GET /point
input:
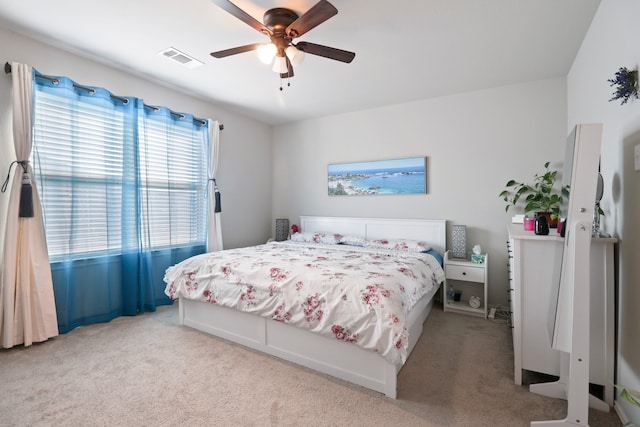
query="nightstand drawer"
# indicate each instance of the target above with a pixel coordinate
(470, 274)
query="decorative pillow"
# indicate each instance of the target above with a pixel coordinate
(406, 245)
(325, 238)
(353, 240)
(436, 255)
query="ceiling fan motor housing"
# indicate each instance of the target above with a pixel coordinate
(277, 20)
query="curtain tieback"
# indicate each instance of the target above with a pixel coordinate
(218, 204)
(26, 191)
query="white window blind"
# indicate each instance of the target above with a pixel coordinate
(173, 190)
(110, 183)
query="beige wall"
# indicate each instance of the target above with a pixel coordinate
(475, 143)
(611, 43)
(246, 197)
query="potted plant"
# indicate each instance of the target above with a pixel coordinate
(539, 197)
(626, 84)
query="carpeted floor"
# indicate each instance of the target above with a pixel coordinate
(150, 371)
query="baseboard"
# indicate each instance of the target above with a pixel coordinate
(621, 414)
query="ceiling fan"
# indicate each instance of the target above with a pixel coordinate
(282, 25)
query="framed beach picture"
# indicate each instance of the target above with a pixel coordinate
(398, 176)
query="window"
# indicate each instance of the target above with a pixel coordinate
(114, 174)
(174, 176)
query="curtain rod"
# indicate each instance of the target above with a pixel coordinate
(7, 70)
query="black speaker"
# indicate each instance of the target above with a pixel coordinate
(542, 225)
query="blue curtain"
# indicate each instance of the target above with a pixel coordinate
(121, 204)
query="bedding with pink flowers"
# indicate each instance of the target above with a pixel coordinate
(348, 293)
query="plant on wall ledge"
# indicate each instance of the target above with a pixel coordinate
(626, 84)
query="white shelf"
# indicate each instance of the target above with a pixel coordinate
(463, 306)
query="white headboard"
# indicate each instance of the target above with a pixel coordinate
(433, 231)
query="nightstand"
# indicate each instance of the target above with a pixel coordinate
(469, 279)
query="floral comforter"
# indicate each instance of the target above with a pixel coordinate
(352, 294)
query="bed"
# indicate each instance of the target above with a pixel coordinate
(373, 363)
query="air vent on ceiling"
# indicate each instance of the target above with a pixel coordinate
(180, 57)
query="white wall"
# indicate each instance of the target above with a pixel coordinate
(475, 143)
(246, 198)
(613, 42)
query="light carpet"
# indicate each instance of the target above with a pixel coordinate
(150, 371)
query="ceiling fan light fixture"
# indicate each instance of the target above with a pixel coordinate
(295, 55)
(266, 52)
(280, 65)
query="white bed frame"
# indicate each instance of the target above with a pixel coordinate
(339, 359)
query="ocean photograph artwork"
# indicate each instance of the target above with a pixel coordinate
(399, 176)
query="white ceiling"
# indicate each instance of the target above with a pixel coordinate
(406, 50)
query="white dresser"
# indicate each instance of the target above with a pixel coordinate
(534, 274)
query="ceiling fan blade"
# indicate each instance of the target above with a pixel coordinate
(243, 16)
(235, 50)
(289, 72)
(327, 52)
(315, 16)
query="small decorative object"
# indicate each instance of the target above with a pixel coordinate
(477, 257)
(294, 228)
(282, 229)
(539, 197)
(457, 295)
(474, 302)
(542, 225)
(528, 223)
(450, 294)
(598, 212)
(459, 241)
(626, 84)
(518, 218)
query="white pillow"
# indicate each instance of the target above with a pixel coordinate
(406, 245)
(325, 238)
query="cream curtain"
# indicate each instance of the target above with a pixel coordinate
(214, 210)
(27, 305)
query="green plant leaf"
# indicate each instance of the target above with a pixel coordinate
(531, 206)
(632, 396)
